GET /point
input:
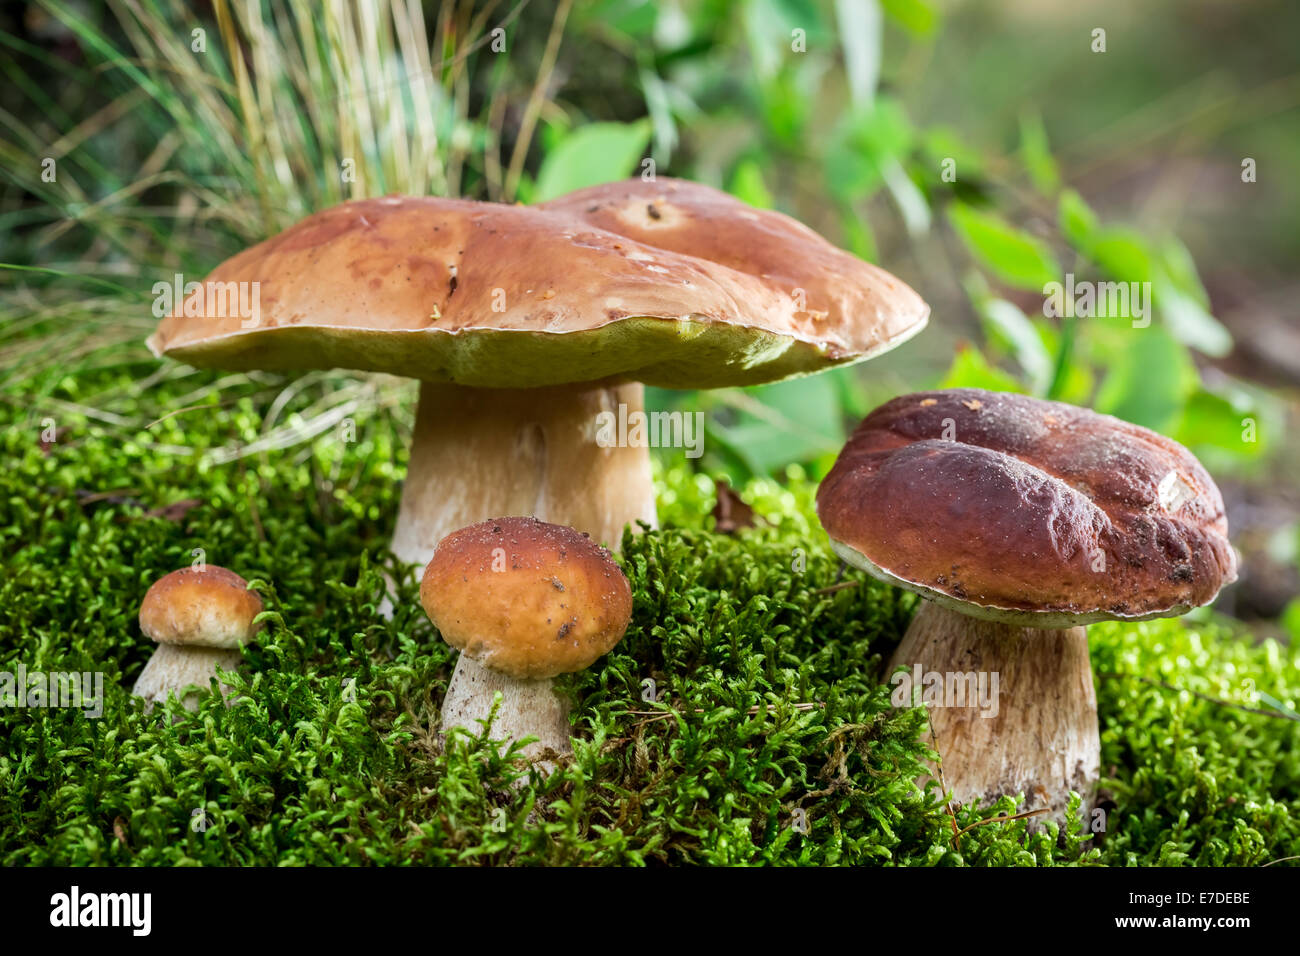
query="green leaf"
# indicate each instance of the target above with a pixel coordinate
(862, 146)
(943, 142)
(1184, 303)
(1128, 256)
(1122, 254)
(747, 184)
(1077, 220)
(1215, 420)
(1180, 268)
(1036, 154)
(858, 234)
(1149, 380)
(1190, 323)
(590, 155)
(915, 16)
(970, 369)
(1016, 257)
(1010, 327)
(785, 422)
(768, 26)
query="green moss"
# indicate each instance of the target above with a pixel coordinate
(329, 756)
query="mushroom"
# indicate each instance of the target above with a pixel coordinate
(524, 601)
(199, 617)
(527, 324)
(1020, 521)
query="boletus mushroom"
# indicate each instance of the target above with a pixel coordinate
(524, 601)
(200, 618)
(1020, 521)
(527, 324)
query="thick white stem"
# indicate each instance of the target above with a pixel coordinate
(175, 666)
(529, 708)
(492, 453)
(1040, 736)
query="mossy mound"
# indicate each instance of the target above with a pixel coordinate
(774, 741)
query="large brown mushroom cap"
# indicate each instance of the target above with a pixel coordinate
(526, 598)
(1018, 509)
(207, 607)
(667, 282)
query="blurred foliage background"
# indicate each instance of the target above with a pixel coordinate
(979, 150)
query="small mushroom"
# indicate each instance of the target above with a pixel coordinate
(199, 617)
(1020, 521)
(524, 601)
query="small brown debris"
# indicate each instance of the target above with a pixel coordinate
(48, 446)
(176, 511)
(731, 513)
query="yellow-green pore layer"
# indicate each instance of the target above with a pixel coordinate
(666, 353)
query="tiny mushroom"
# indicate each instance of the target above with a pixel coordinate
(524, 601)
(533, 330)
(199, 617)
(1020, 521)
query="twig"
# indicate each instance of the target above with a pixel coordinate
(947, 804)
(842, 586)
(1014, 816)
(770, 708)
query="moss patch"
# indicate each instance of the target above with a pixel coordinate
(328, 755)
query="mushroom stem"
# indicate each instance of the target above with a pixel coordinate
(1040, 739)
(529, 708)
(175, 666)
(481, 453)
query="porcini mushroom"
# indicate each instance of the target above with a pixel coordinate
(1020, 521)
(199, 617)
(524, 601)
(525, 323)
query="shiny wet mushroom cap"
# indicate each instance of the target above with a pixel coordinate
(1027, 510)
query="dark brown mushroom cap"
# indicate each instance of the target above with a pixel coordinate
(204, 607)
(668, 282)
(526, 598)
(1014, 508)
